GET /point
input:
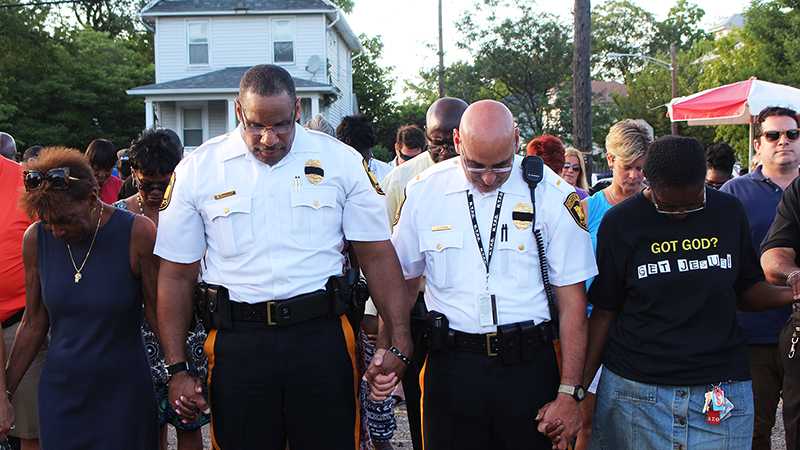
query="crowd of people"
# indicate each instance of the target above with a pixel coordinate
(287, 288)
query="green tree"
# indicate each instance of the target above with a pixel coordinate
(767, 47)
(620, 26)
(522, 58)
(373, 85)
(74, 94)
(681, 27)
(461, 80)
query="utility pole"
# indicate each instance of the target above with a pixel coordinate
(582, 83)
(441, 54)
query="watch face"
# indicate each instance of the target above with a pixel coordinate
(580, 392)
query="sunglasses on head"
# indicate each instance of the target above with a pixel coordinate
(774, 136)
(57, 178)
(576, 167)
(149, 187)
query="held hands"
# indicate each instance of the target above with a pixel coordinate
(560, 420)
(186, 396)
(383, 374)
(793, 281)
(6, 417)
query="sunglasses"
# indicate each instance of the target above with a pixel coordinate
(575, 168)
(57, 178)
(774, 136)
(149, 187)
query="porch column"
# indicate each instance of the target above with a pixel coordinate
(231, 115)
(148, 113)
(315, 106)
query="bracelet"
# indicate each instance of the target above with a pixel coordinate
(400, 355)
(789, 278)
(176, 368)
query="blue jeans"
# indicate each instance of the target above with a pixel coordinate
(633, 415)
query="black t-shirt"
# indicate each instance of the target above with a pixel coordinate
(674, 284)
(785, 230)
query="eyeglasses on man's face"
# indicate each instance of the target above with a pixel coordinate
(575, 168)
(57, 178)
(261, 130)
(774, 136)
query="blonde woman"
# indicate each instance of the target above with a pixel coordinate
(574, 171)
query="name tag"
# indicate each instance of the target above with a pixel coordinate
(224, 195)
(441, 228)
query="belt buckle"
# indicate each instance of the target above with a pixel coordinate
(489, 337)
(270, 319)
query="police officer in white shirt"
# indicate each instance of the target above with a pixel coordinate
(467, 225)
(266, 209)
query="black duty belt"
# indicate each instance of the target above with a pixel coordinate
(283, 313)
(517, 338)
(16, 317)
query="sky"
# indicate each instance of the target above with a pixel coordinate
(409, 28)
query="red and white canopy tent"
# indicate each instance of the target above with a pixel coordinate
(737, 103)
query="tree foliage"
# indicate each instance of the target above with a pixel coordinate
(461, 80)
(67, 86)
(521, 58)
(620, 26)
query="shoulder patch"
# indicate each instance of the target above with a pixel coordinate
(400, 209)
(573, 205)
(372, 178)
(168, 193)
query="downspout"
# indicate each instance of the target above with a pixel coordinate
(338, 15)
(141, 19)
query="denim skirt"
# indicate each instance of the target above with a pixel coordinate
(641, 416)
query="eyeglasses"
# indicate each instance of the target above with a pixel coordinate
(575, 168)
(405, 157)
(700, 208)
(436, 150)
(774, 136)
(260, 131)
(149, 187)
(716, 186)
(476, 170)
(57, 178)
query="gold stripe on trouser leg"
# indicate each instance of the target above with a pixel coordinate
(209, 348)
(350, 339)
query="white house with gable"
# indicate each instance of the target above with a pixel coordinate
(203, 47)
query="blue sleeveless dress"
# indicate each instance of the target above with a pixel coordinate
(96, 391)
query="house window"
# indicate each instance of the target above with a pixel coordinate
(192, 127)
(197, 43)
(283, 40)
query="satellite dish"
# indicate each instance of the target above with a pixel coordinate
(313, 64)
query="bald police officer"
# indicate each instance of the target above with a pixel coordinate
(266, 209)
(467, 224)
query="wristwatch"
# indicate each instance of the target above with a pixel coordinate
(176, 368)
(578, 392)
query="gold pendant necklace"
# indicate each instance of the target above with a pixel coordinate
(78, 275)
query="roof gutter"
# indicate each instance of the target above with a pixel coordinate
(338, 16)
(141, 19)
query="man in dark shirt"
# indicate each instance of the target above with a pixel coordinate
(760, 191)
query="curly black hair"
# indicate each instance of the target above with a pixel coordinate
(675, 161)
(720, 156)
(357, 132)
(156, 151)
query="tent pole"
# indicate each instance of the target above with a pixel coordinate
(750, 146)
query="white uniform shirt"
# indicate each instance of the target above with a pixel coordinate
(395, 182)
(434, 236)
(267, 232)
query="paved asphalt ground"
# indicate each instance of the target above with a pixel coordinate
(402, 437)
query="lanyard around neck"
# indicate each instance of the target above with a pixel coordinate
(495, 220)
